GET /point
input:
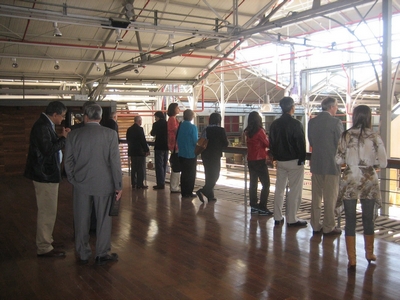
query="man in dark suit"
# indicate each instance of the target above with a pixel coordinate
(324, 133)
(111, 122)
(43, 168)
(137, 151)
(160, 131)
(93, 166)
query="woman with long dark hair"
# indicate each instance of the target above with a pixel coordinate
(362, 150)
(257, 144)
(173, 125)
(211, 156)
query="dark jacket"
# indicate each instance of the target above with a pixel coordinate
(160, 131)
(43, 162)
(137, 145)
(217, 140)
(287, 139)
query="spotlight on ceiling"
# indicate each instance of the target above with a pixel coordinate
(170, 44)
(118, 39)
(14, 62)
(57, 31)
(218, 47)
(98, 67)
(56, 65)
(136, 71)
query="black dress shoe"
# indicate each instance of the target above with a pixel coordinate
(189, 195)
(297, 224)
(158, 187)
(212, 199)
(83, 262)
(335, 231)
(105, 259)
(200, 195)
(57, 244)
(266, 212)
(144, 187)
(53, 253)
(279, 222)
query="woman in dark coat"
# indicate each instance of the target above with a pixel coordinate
(211, 156)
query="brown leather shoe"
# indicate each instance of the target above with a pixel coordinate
(53, 253)
(335, 231)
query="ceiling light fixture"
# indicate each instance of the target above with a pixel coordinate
(14, 62)
(136, 71)
(57, 31)
(118, 39)
(56, 65)
(98, 67)
(218, 47)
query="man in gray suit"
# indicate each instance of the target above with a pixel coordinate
(323, 133)
(93, 166)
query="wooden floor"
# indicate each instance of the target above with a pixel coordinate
(173, 248)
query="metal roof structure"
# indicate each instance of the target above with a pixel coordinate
(144, 49)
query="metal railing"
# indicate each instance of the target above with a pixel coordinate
(390, 195)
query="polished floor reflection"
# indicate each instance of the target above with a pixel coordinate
(174, 248)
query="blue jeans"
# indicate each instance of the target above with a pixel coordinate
(160, 162)
(367, 207)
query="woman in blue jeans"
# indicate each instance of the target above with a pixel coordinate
(257, 145)
(362, 150)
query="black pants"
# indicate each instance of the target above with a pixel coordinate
(258, 170)
(212, 167)
(188, 175)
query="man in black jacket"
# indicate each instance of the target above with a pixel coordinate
(288, 147)
(137, 151)
(160, 131)
(43, 167)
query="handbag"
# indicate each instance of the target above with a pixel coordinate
(174, 162)
(174, 158)
(201, 144)
(114, 208)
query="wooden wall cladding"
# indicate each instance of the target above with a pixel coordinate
(15, 127)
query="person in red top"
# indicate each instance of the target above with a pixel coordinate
(173, 125)
(257, 144)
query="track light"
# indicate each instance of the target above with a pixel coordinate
(56, 65)
(136, 71)
(57, 31)
(98, 67)
(14, 62)
(118, 39)
(218, 47)
(170, 44)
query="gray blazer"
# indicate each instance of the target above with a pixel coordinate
(323, 134)
(92, 160)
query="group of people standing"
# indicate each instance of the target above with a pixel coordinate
(92, 165)
(180, 139)
(359, 150)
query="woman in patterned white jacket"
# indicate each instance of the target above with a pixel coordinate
(362, 150)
